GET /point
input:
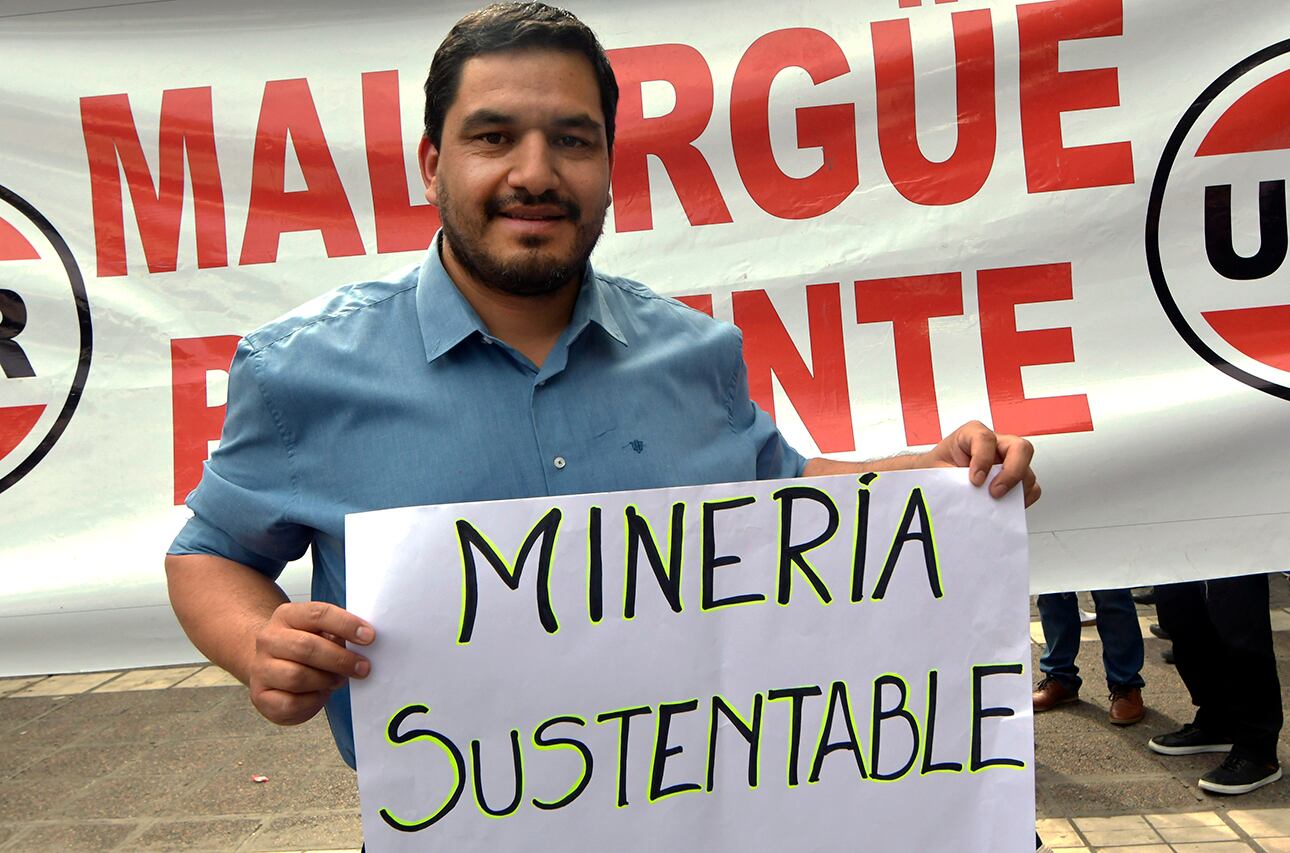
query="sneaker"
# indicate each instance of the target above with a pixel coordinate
(1239, 775)
(1086, 619)
(1126, 706)
(1050, 693)
(1189, 740)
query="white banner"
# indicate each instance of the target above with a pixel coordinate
(724, 668)
(1066, 218)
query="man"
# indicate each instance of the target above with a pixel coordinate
(503, 367)
(1122, 652)
(1222, 635)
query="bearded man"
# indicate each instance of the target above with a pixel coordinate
(503, 366)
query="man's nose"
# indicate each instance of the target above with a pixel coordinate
(533, 168)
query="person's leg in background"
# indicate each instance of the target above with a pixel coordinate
(1222, 637)
(1122, 651)
(1059, 615)
(1183, 613)
(1246, 684)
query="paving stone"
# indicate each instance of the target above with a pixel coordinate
(1121, 837)
(64, 719)
(1258, 823)
(1139, 848)
(1056, 796)
(1057, 832)
(210, 676)
(1190, 819)
(1185, 834)
(1076, 739)
(10, 832)
(147, 679)
(17, 714)
(78, 836)
(1117, 823)
(66, 685)
(14, 758)
(1220, 847)
(39, 790)
(216, 834)
(12, 685)
(1275, 845)
(163, 781)
(297, 779)
(323, 832)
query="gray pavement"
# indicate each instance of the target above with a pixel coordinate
(166, 760)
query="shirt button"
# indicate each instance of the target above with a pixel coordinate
(559, 462)
(541, 382)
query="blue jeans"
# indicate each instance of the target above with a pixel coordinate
(1117, 625)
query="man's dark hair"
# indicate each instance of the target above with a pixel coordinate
(513, 26)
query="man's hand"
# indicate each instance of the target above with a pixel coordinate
(973, 446)
(977, 447)
(300, 658)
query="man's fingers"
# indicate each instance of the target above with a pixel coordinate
(313, 651)
(1015, 454)
(286, 708)
(293, 677)
(319, 617)
(984, 453)
(1033, 491)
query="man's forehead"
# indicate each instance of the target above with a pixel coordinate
(528, 79)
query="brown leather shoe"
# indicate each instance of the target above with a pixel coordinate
(1126, 706)
(1050, 693)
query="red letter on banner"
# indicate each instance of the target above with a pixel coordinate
(1007, 350)
(830, 128)
(670, 138)
(400, 225)
(112, 146)
(913, 175)
(819, 394)
(1046, 93)
(195, 423)
(288, 108)
(907, 303)
(699, 302)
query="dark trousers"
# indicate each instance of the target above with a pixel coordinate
(1222, 637)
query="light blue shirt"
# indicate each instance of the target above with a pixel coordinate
(393, 393)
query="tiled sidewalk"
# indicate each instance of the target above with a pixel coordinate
(1235, 831)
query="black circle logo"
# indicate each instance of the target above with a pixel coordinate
(45, 337)
(1219, 203)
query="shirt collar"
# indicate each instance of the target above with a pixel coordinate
(447, 319)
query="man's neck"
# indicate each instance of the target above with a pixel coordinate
(530, 324)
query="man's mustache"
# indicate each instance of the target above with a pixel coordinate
(569, 208)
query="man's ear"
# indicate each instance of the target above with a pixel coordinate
(428, 159)
(609, 197)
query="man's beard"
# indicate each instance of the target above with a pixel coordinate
(533, 272)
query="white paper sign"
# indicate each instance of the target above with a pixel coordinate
(820, 664)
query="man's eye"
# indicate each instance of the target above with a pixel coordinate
(494, 138)
(572, 142)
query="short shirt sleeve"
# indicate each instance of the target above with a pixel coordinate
(776, 458)
(242, 506)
